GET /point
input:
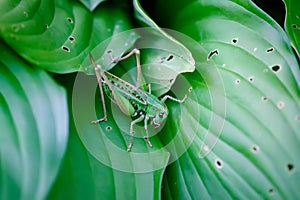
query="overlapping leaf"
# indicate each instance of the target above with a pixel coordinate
(58, 35)
(247, 131)
(34, 128)
(292, 22)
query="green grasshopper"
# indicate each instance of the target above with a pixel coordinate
(130, 99)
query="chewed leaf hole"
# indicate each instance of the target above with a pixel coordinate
(290, 167)
(234, 40)
(47, 26)
(251, 78)
(276, 68)
(170, 57)
(212, 53)
(65, 48)
(108, 128)
(237, 81)
(255, 149)
(264, 99)
(218, 163)
(71, 38)
(280, 104)
(294, 26)
(70, 20)
(269, 50)
(271, 191)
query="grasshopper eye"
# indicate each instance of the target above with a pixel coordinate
(161, 115)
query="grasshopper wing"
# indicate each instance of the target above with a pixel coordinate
(117, 97)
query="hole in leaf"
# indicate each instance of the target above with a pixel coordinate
(234, 40)
(212, 53)
(171, 80)
(65, 48)
(70, 20)
(237, 81)
(71, 38)
(294, 26)
(218, 163)
(270, 50)
(250, 78)
(190, 89)
(108, 128)
(47, 26)
(170, 57)
(280, 104)
(290, 167)
(275, 68)
(109, 51)
(264, 99)
(255, 149)
(271, 191)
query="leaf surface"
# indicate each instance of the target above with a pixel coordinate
(34, 129)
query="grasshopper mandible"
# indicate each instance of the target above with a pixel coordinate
(130, 99)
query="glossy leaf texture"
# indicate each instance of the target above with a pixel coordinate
(292, 22)
(59, 35)
(247, 141)
(91, 4)
(34, 129)
(96, 164)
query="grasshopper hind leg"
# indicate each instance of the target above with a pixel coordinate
(104, 118)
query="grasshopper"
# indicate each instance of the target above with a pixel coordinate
(130, 99)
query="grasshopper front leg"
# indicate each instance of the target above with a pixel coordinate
(146, 138)
(176, 100)
(132, 132)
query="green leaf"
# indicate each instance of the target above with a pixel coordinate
(96, 164)
(34, 127)
(164, 57)
(84, 177)
(292, 22)
(91, 4)
(245, 109)
(58, 35)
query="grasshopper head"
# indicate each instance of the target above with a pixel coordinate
(160, 116)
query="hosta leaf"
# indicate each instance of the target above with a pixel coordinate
(245, 108)
(96, 168)
(292, 22)
(92, 179)
(164, 57)
(91, 4)
(34, 127)
(58, 35)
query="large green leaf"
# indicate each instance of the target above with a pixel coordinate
(33, 137)
(292, 22)
(58, 35)
(99, 169)
(247, 131)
